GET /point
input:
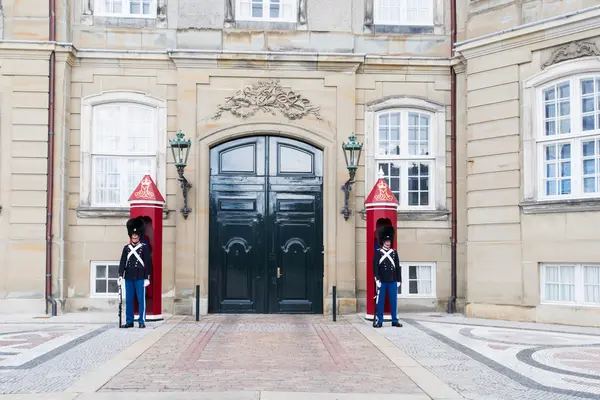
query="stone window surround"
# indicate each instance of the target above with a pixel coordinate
(438, 18)
(438, 146)
(579, 285)
(231, 22)
(160, 17)
(85, 209)
(405, 281)
(93, 294)
(530, 125)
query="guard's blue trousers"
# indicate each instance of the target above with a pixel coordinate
(392, 288)
(135, 288)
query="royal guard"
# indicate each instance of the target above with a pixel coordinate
(387, 273)
(135, 267)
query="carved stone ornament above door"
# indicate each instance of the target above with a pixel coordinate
(268, 96)
(571, 51)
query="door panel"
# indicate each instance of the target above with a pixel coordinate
(295, 236)
(266, 213)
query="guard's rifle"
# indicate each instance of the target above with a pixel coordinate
(375, 302)
(120, 304)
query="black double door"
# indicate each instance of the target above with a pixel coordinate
(266, 237)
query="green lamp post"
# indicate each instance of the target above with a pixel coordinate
(180, 148)
(352, 151)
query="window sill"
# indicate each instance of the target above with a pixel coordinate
(123, 22)
(559, 206)
(423, 215)
(401, 29)
(417, 215)
(571, 305)
(108, 212)
(264, 25)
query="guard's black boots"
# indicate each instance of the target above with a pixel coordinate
(127, 325)
(397, 324)
(142, 325)
(379, 325)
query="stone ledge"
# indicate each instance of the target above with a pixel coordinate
(108, 212)
(558, 206)
(417, 215)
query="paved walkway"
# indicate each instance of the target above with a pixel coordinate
(434, 356)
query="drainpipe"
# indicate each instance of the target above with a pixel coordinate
(453, 278)
(50, 167)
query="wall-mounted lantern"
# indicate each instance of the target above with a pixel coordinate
(180, 148)
(352, 151)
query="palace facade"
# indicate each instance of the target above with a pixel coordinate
(482, 115)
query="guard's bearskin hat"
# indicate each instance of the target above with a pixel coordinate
(385, 233)
(135, 225)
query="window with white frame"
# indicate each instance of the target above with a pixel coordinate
(126, 8)
(405, 157)
(104, 276)
(406, 143)
(569, 138)
(570, 284)
(123, 138)
(267, 10)
(418, 280)
(403, 12)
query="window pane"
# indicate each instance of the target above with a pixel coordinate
(113, 271)
(100, 271)
(557, 110)
(412, 287)
(274, 8)
(136, 169)
(113, 287)
(106, 180)
(100, 286)
(591, 280)
(391, 173)
(134, 6)
(389, 134)
(591, 165)
(418, 184)
(257, 8)
(412, 272)
(418, 139)
(146, 7)
(557, 168)
(590, 104)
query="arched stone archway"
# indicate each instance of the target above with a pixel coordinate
(323, 141)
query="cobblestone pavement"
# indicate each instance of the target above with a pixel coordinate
(263, 353)
(49, 357)
(497, 360)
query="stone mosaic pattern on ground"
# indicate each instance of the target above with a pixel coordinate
(38, 358)
(498, 363)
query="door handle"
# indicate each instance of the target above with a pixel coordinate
(278, 272)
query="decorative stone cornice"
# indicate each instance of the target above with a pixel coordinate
(571, 51)
(268, 96)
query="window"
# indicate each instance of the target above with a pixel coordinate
(123, 139)
(403, 12)
(408, 150)
(126, 8)
(418, 280)
(267, 10)
(570, 284)
(104, 275)
(569, 139)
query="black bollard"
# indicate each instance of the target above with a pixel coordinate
(197, 302)
(334, 303)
